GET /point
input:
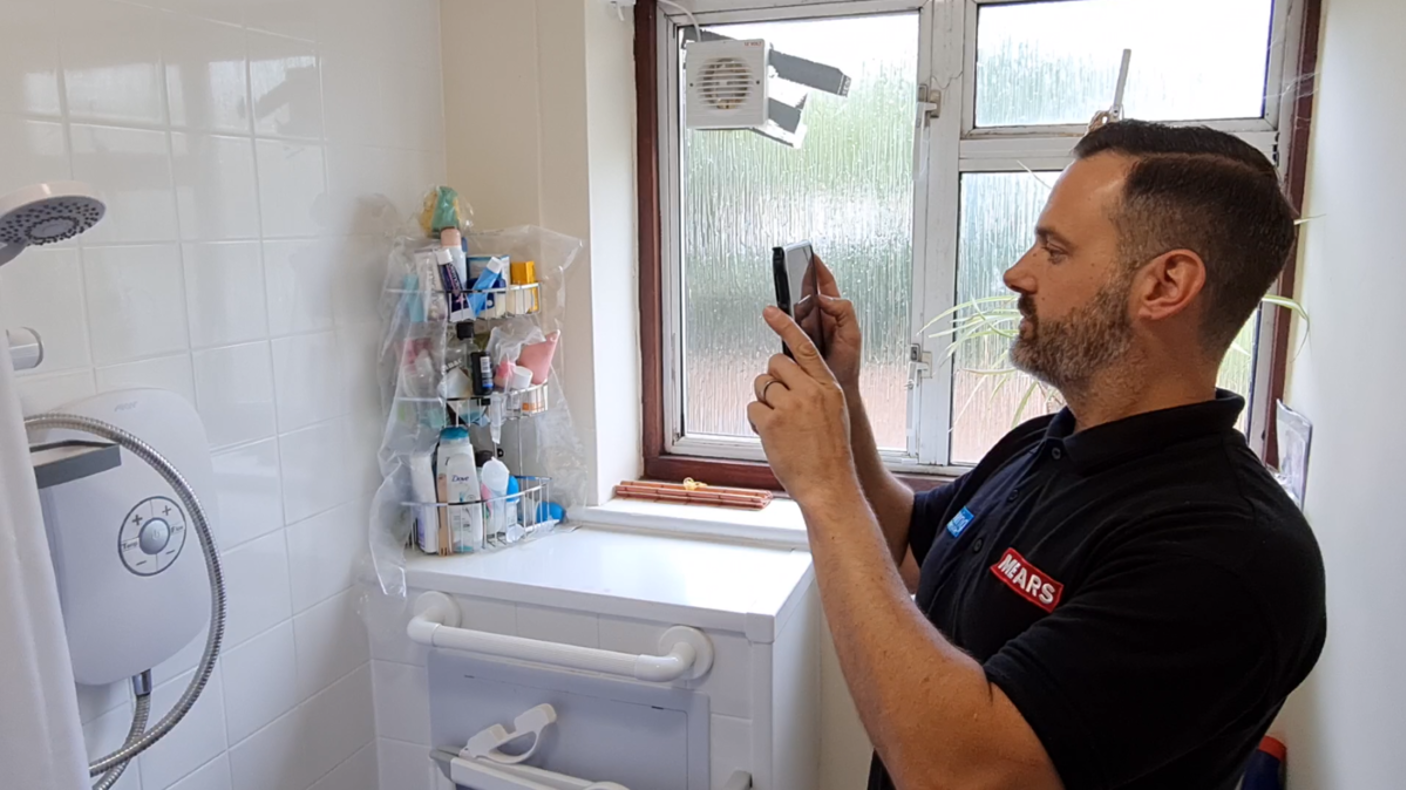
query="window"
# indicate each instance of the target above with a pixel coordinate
(919, 188)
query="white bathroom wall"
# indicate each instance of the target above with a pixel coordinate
(546, 136)
(1343, 726)
(252, 154)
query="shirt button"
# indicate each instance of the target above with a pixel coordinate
(976, 545)
(1013, 497)
(1056, 453)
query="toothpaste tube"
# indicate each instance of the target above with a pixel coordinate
(459, 308)
(487, 281)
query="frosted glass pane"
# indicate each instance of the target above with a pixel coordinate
(1237, 371)
(998, 215)
(997, 226)
(849, 189)
(1057, 62)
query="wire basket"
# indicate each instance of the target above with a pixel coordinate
(487, 524)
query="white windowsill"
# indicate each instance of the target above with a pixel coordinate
(779, 524)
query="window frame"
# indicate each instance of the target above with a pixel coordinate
(670, 147)
(947, 146)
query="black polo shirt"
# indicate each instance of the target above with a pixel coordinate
(1143, 591)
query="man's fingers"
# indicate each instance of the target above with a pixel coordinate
(782, 368)
(760, 388)
(807, 356)
(758, 414)
(839, 309)
(824, 279)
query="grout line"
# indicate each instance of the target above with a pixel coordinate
(375, 660)
(225, 548)
(148, 126)
(371, 743)
(306, 702)
(67, 124)
(243, 444)
(319, 602)
(223, 753)
(401, 741)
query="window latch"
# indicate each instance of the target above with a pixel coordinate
(929, 103)
(919, 365)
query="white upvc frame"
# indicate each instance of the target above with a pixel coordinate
(946, 147)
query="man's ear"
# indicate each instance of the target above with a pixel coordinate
(1168, 284)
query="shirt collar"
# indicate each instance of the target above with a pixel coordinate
(1143, 433)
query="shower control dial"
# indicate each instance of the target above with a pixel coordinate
(155, 534)
(152, 536)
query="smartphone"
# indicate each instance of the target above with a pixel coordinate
(798, 289)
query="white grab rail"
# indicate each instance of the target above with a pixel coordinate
(688, 654)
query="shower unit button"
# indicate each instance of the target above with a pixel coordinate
(155, 534)
(152, 536)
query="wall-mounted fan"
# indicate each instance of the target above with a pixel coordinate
(727, 84)
(745, 84)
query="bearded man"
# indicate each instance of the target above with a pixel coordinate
(1119, 595)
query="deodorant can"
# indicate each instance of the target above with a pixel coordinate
(481, 367)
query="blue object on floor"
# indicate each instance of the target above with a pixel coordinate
(1265, 770)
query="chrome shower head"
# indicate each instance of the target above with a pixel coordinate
(44, 214)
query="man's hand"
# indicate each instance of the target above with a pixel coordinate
(801, 417)
(843, 342)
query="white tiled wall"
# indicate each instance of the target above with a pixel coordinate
(252, 154)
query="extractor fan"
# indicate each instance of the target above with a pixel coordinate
(727, 84)
(746, 84)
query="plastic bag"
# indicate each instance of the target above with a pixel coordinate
(542, 444)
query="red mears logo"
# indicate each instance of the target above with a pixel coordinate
(1031, 582)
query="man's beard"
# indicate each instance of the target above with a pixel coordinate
(1070, 352)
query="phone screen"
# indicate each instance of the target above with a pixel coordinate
(798, 289)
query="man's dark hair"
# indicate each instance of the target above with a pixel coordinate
(1209, 192)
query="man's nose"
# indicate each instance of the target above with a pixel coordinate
(1019, 278)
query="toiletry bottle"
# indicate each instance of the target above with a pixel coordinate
(441, 541)
(459, 346)
(495, 479)
(482, 373)
(524, 274)
(422, 484)
(477, 263)
(499, 307)
(451, 240)
(461, 486)
(427, 273)
(412, 299)
(455, 292)
(487, 282)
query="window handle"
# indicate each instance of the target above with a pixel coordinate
(919, 365)
(929, 104)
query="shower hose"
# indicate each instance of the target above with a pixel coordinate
(139, 739)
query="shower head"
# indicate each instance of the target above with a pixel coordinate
(44, 214)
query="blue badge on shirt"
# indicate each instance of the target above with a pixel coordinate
(960, 522)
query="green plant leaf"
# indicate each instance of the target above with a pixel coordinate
(970, 399)
(973, 304)
(1024, 401)
(1296, 309)
(1048, 186)
(1288, 304)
